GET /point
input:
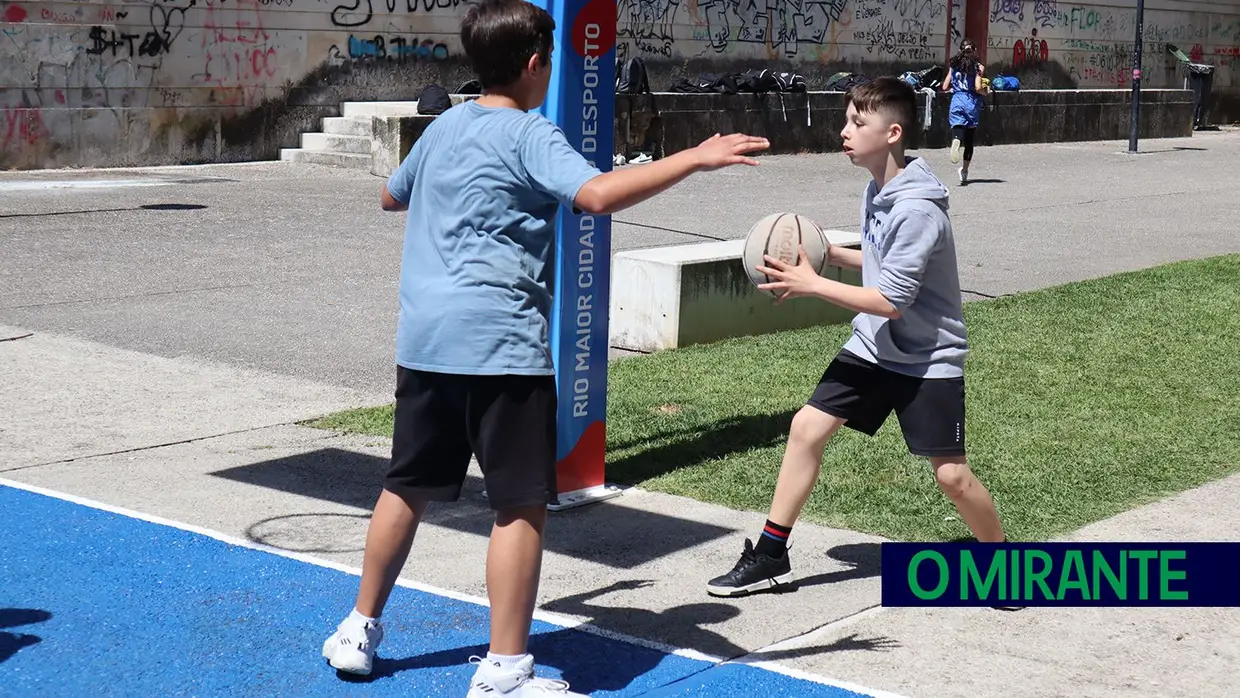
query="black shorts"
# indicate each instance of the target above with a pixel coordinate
(442, 419)
(930, 410)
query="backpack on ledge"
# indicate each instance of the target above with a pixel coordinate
(930, 78)
(434, 100)
(844, 81)
(631, 78)
(470, 87)
(720, 83)
(791, 82)
(764, 81)
(1004, 83)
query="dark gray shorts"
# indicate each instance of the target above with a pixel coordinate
(930, 410)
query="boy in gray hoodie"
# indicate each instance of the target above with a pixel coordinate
(906, 354)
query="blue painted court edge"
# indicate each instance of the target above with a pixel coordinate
(95, 602)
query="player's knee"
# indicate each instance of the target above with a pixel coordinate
(953, 478)
(811, 429)
(534, 516)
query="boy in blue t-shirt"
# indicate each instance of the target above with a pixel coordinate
(475, 375)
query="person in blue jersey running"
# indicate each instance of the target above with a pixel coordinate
(964, 80)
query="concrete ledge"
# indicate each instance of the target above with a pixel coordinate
(810, 122)
(393, 134)
(676, 296)
(393, 137)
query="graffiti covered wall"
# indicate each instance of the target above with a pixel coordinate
(113, 82)
(137, 81)
(804, 32)
(1091, 45)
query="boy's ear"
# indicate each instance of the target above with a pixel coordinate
(894, 133)
(537, 63)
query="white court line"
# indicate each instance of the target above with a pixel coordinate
(153, 168)
(50, 184)
(550, 618)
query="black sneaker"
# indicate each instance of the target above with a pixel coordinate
(753, 572)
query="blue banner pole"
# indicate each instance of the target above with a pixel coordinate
(581, 101)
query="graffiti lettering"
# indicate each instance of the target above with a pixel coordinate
(915, 26)
(396, 48)
(1083, 18)
(22, 126)
(1046, 13)
(918, 9)
(649, 24)
(1225, 31)
(881, 38)
(1007, 11)
(81, 16)
(788, 23)
(107, 40)
(1037, 52)
(100, 41)
(360, 12)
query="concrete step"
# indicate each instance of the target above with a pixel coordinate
(336, 143)
(347, 125)
(379, 109)
(352, 161)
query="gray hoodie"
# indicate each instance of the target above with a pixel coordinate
(910, 256)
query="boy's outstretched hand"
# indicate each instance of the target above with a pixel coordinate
(721, 151)
(793, 281)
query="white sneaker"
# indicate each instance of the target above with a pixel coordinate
(518, 682)
(352, 647)
(964, 176)
(955, 150)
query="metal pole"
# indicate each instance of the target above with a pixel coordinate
(1136, 80)
(951, 24)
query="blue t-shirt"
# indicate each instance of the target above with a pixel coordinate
(483, 185)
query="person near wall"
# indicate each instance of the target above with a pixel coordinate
(964, 80)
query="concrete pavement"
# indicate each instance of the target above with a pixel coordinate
(172, 351)
(292, 269)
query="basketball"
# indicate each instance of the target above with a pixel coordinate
(779, 236)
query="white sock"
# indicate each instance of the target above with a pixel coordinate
(359, 618)
(506, 661)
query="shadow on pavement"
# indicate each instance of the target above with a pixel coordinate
(590, 662)
(616, 536)
(717, 440)
(12, 643)
(862, 560)
(144, 207)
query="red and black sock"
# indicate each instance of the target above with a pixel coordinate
(774, 540)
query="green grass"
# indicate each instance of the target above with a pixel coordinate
(1083, 401)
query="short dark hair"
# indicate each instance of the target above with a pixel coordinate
(500, 36)
(891, 97)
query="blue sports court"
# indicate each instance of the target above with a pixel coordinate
(99, 601)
